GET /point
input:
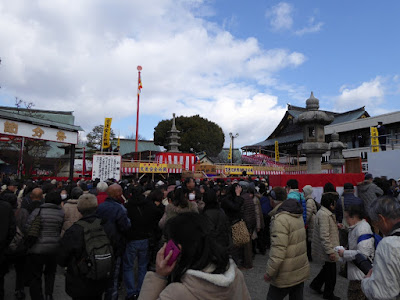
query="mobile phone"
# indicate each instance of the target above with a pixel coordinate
(175, 252)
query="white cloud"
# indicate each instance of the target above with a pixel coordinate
(370, 94)
(280, 16)
(312, 27)
(84, 57)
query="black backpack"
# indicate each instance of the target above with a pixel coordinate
(98, 261)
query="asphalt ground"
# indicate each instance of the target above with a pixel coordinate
(258, 288)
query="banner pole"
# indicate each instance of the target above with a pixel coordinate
(139, 68)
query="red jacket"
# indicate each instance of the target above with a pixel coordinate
(101, 197)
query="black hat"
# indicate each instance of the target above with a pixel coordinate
(348, 186)
(368, 176)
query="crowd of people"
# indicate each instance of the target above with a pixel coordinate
(99, 231)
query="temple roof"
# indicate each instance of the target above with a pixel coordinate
(288, 131)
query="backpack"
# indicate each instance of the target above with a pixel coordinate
(364, 237)
(98, 261)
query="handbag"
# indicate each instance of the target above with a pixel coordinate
(240, 234)
(34, 231)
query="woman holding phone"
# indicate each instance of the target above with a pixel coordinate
(202, 268)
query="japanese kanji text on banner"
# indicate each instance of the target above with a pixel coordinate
(106, 167)
(106, 133)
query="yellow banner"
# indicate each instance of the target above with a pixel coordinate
(374, 139)
(106, 133)
(230, 151)
(276, 151)
(238, 170)
(153, 168)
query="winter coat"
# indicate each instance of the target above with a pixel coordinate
(101, 197)
(349, 200)
(233, 208)
(384, 282)
(52, 219)
(143, 215)
(368, 192)
(274, 211)
(259, 214)
(172, 211)
(7, 226)
(71, 214)
(295, 194)
(30, 205)
(365, 247)
(72, 250)
(311, 212)
(196, 285)
(117, 223)
(325, 235)
(288, 263)
(249, 212)
(220, 224)
(265, 205)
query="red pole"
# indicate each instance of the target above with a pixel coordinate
(139, 68)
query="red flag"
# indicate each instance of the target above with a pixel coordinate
(84, 162)
(139, 85)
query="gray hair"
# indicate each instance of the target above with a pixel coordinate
(102, 186)
(387, 206)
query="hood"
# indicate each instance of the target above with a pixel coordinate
(214, 286)
(72, 201)
(291, 206)
(364, 186)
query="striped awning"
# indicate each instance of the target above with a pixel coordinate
(128, 171)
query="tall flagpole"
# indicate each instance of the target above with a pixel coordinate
(139, 68)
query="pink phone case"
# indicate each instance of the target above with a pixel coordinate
(171, 246)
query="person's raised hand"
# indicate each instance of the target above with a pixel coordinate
(162, 267)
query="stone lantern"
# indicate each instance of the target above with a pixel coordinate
(173, 137)
(336, 158)
(313, 122)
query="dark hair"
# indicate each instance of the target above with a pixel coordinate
(10, 198)
(231, 191)
(170, 195)
(53, 197)
(292, 183)
(328, 199)
(356, 210)
(187, 180)
(156, 195)
(180, 198)
(329, 188)
(210, 200)
(280, 193)
(199, 248)
(76, 193)
(263, 188)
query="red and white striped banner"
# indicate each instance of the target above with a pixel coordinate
(127, 171)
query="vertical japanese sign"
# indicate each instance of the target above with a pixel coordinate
(106, 133)
(106, 167)
(374, 139)
(276, 151)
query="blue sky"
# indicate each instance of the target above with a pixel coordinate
(237, 63)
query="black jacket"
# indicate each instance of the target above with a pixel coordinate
(144, 216)
(72, 250)
(7, 226)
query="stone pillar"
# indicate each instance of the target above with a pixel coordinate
(336, 156)
(313, 121)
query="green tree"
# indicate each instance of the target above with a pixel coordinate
(196, 133)
(94, 138)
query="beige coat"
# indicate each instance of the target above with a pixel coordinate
(325, 236)
(311, 212)
(288, 263)
(71, 214)
(196, 285)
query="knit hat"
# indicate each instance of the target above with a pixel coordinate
(307, 190)
(87, 203)
(53, 181)
(368, 176)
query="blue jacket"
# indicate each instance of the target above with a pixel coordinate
(349, 200)
(295, 194)
(265, 205)
(117, 223)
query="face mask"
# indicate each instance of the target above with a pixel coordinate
(192, 196)
(63, 196)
